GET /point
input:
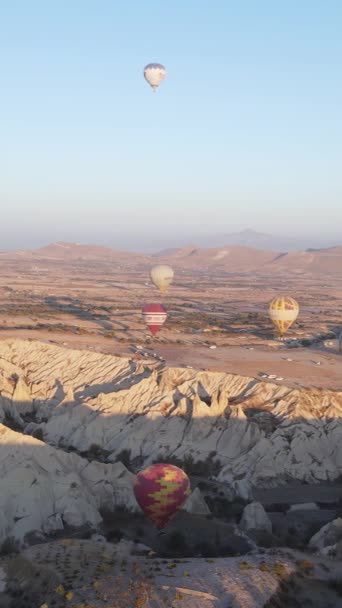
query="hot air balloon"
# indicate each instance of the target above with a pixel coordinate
(283, 313)
(162, 276)
(154, 316)
(160, 491)
(154, 73)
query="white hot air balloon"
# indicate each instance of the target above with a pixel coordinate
(161, 276)
(154, 73)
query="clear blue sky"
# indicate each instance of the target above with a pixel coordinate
(245, 131)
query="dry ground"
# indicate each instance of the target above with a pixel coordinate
(96, 305)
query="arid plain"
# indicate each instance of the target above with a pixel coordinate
(91, 297)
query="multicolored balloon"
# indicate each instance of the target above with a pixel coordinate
(162, 276)
(154, 73)
(283, 313)
(154, 316)
(160, 491)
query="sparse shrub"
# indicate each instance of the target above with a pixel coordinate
(245, 566)
(125, 457)
(263, 538)
(305, 565)
(177, 542)
(205, 549)
(38, 434)
(179, 596)
(109, 333)
(336, 585)
(139, 531)
(223, 508)
(10, 545)
(115, 535)
(277, 508)
(310, 532)
(96, 451)
(279, 570)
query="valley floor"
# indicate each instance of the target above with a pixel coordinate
(80, 573)
(309, 368)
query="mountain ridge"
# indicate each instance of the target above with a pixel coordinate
(230, 258)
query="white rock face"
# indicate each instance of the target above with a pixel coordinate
(196, 504)
(327, 536)
(254, 517)
(42, 488)
(305, 506)
(243, 489)
(260, 433)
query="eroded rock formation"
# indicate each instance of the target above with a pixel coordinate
(55, 401)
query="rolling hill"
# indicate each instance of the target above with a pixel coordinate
(74, 251)
(315, 262)
(245, 259)
(231, 259)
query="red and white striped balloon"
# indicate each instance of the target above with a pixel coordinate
(154, 316)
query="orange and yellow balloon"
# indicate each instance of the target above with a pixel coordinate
(160, 491)
(283, 312)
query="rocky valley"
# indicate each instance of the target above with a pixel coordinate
(264, 459)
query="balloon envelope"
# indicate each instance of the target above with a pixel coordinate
(162, 276)
(154, 316)
(283, 313)
(160, 491)
(154, 73)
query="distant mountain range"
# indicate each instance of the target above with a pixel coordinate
(74, 251)
(230, 258)
(245, 238)
(236, 258)
(152, 243)
(252, 238)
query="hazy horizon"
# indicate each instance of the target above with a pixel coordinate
(245, 130)
(149, 244)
